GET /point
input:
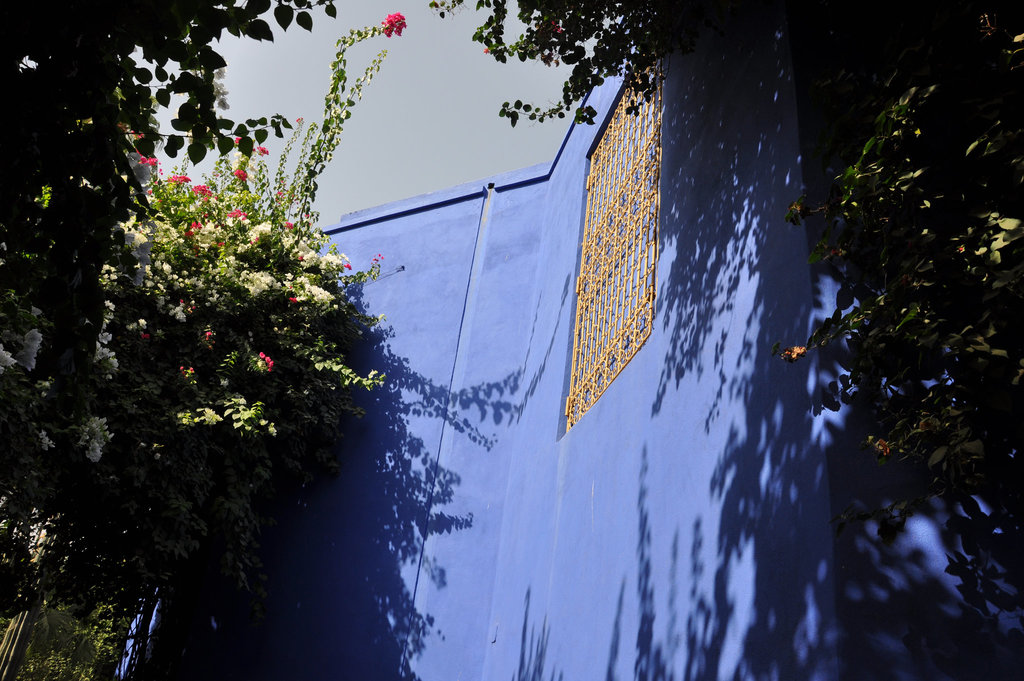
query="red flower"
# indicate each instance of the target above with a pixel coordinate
(144, 336)
(289, 225)
(238, 214)
(202, 190)
(293, 299)
(241, 175)
(347, 266)
(262, 151)
(147, 161)
(393, 23)
(487, 50)
(179, 179)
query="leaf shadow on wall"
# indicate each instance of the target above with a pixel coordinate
(734, 281)
(344, 557)
(533, 650)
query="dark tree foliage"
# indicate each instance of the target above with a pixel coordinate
(924, 229)
(82, 83)
(598, 38)
(924, 221)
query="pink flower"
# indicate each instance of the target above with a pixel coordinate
(347, 266)
(289, 225)
(237, 140)
(144, 336)
(487, 50)
(393, 23)
(179, 179)
(300, 257)
(262, 151)
(202, 190)
(558, 29)
(237, 214)
(147, 161)
(241, 175)
(269, 362)
(293, 299)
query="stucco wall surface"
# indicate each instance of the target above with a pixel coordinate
(681, 529)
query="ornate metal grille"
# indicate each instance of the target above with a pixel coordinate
(615, 289)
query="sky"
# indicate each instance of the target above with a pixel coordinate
(429, 119)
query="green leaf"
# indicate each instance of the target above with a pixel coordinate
(305, 20)
(186, 82)
(245, 146)
(196, 152)
(211, 60)
(938, 455)
(259, 30)
(261, 135)
(330, 10)
(257, 7)
(145, 146)
(976, 447)
(173, 145)
(225, 145)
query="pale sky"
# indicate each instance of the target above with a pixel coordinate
(429, 120)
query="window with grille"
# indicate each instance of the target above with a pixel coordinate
(615, 288)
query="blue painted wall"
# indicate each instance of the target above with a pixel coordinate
(681, 529)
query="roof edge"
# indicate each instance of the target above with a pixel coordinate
(512, 179)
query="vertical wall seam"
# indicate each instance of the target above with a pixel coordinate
(470, 283)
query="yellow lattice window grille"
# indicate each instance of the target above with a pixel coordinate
(615, 289)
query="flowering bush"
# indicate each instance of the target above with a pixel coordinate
(226, 341)
(218, 376)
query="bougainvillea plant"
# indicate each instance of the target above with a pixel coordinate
(220, 376)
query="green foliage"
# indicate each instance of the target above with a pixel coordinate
(66, 647)
(88, 79)
(217, 376)
(925, 227)
(598, 39)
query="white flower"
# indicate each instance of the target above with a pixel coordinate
(44, 441)
(27, 356)
(94, 436)
(6, 359)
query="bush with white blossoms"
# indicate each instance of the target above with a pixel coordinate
(219, 376)
(225, 354)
